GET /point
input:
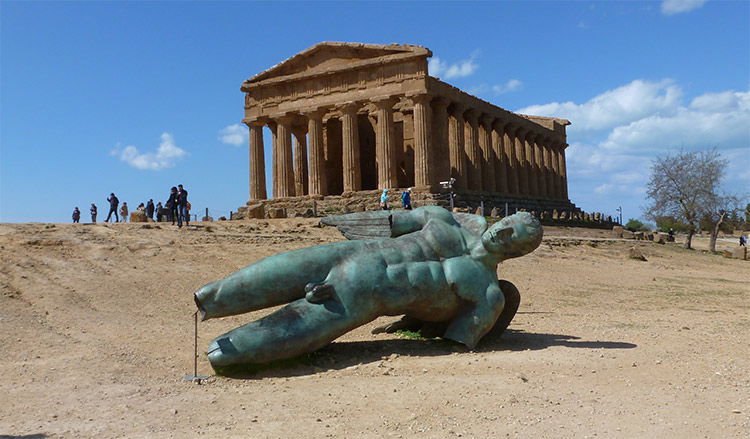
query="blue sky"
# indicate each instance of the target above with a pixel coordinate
(135, 97)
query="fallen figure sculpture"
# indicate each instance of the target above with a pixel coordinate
(437, 268)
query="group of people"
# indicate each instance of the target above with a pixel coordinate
(176, 208)
(405, 199)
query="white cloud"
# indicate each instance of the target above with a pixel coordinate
(166, 155)
(671, 7)
(236, 135)
(510, 86)
(615, 136)
(440, 69)
(627, 103)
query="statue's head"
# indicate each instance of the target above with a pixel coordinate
(513, 236)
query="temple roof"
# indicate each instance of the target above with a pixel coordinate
(329, 55)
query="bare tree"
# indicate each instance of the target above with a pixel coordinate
(686, 186)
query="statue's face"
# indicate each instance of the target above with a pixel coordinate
(513, 236)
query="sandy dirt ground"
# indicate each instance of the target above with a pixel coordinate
(96, 334)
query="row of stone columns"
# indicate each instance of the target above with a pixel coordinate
(495, 155)
(486, 153)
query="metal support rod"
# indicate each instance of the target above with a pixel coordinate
(195, 344)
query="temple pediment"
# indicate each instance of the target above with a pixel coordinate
(334, 56)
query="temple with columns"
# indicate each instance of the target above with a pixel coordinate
(348, 119)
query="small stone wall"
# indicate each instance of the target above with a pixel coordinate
(320, 206)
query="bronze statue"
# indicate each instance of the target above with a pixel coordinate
(436, 268)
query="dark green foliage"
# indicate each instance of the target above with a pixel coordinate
(635, 226)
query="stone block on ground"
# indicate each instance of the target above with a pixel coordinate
(208, 219)
(627, 234)
(617, 231)
(257, 211)
(276, 212)
(740, 253)
(660, 238)
(727, 253)
(639, 236)
(138, 217)
(635, 253)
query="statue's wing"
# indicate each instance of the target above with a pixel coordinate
(362, 225)
(474, 223)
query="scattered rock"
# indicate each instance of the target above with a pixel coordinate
(616, 231)
(635, 253)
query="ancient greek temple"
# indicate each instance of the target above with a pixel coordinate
(348, 118)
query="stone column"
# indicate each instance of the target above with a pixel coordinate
(456, 146)
(317, 175)
(563, 172)
(549, 169)
(350, 131)
(542, 161)
(300, 160)
(257, 162)
(511, 163)
(488, 154)
(501, 161)
(439, 154)
(274, 159)
(423, 169)
(473, 155)
(531, 164)
(556, 193)
(283, 158)
(385, 147)
(521, 168)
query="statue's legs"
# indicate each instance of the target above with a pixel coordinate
(271, 281)
(295, 329)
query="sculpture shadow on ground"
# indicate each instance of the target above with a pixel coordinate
(24, 436)
(343, 355)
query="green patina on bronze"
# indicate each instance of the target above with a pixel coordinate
(436, 268)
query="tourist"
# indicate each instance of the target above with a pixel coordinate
(93, 213)
(171, 204)
(76, 215)
(150, 209)
(124, 212)
(743, 240)
(113, 203)
(384, 200)
(406, 199)
(159, 208)
(182, 206)
(141, 208)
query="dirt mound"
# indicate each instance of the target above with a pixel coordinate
(96, 331)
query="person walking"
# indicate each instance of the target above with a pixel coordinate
(171, 204)
(93, 213)
(406, 199)
(150, 209)
(182, 206)
(113, 203)
(743, 240)
(76, 215)
(124, 212)
(384, 200)
(159, 207)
